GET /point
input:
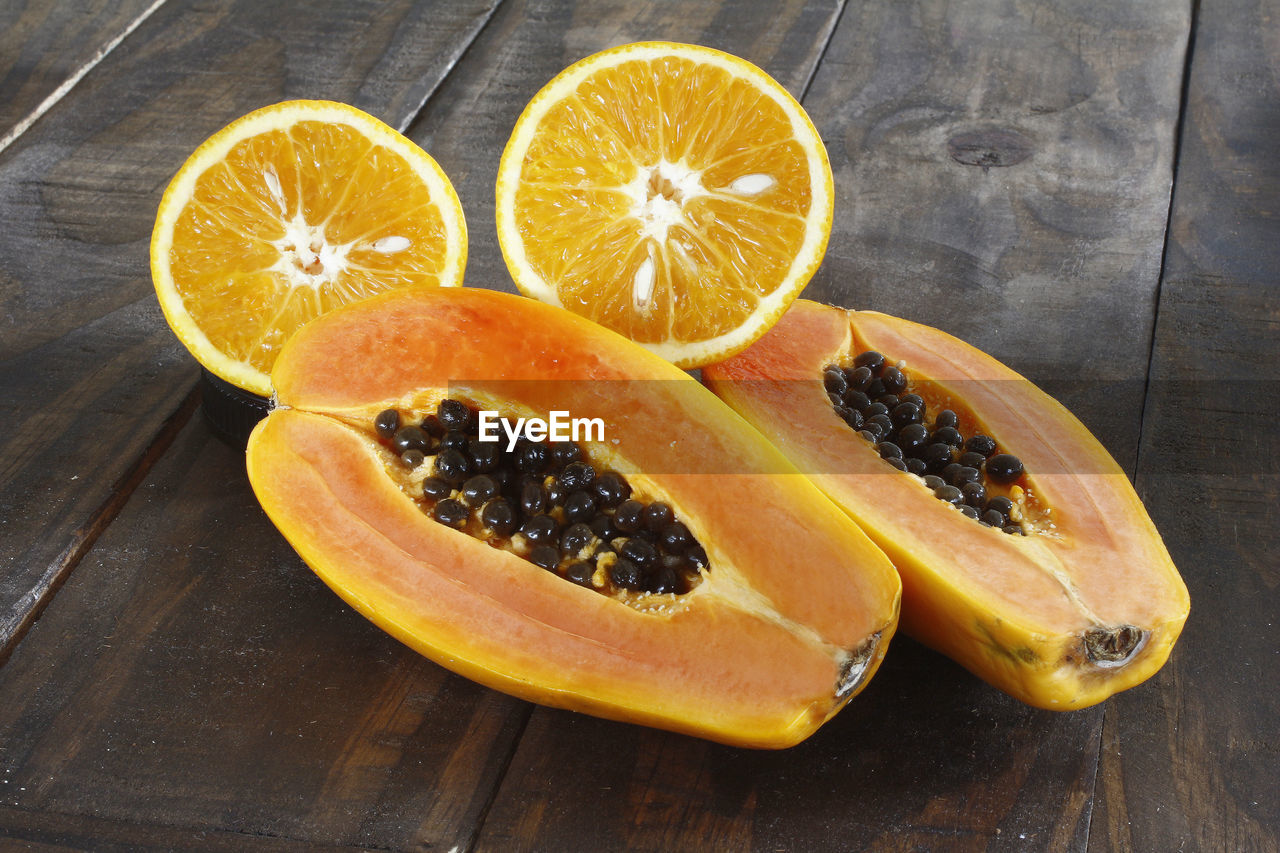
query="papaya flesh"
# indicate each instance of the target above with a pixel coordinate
(790, 618)
(1086, 604)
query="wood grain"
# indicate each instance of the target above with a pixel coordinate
(40, 831)
(926, 758)
(206, 681)
(46, 44)
(1191, 764)
(88, 369)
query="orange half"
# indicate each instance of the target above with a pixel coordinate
(673, 193)
(288, 213)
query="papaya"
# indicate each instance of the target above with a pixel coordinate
(671, 569)
(1039, 570)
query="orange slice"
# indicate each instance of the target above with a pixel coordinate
(673, 193)
(290, 212)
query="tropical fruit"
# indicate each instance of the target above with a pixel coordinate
(290, 212)
(670, 568)
(1024, 551)
(673, 193)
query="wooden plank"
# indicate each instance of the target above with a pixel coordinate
(1050, 262)
(46, 45)
(40, 831)
(88, 369)
(925, 759)
(1190, 764)
(194, 677)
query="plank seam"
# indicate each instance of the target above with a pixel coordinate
(85, 536)
(79, 74)
(827, 37)
(1178, 131)
(412, 115)
(483, 815)
(1193, 21)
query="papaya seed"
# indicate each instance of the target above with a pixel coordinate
(872, 397)
(545, 502)
(387, 422)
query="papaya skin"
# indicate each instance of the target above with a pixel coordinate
(791, 619)
(1087, 605)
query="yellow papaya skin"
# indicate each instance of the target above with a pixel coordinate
(1088, 604)
(790, 620)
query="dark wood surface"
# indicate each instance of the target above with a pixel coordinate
(1197, 764)
(46, 48)
(1088, 191)
(90, 372)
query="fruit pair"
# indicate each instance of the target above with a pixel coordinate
(792, 609)
(673, 193)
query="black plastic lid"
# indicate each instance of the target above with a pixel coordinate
(229, 411)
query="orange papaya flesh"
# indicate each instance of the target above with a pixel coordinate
(789, 621)
(1086, 604)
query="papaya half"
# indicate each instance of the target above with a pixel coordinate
(1045, 576)
(778, 608)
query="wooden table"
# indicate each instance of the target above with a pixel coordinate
(1087, 190)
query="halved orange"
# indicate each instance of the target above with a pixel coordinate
(290, 212)
(674, 193)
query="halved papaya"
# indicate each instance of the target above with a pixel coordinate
(1082, 601)
(789, 611)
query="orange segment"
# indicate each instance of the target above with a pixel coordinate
(288, 213)
(673, 193)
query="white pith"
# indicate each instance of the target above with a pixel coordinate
(658, 197)
(309, 259)
(659, 212)
(307, 256)
(304, 244)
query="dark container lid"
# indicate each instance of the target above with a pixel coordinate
(229, 411)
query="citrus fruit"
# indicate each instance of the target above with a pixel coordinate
(290, 212)
(673, 193)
